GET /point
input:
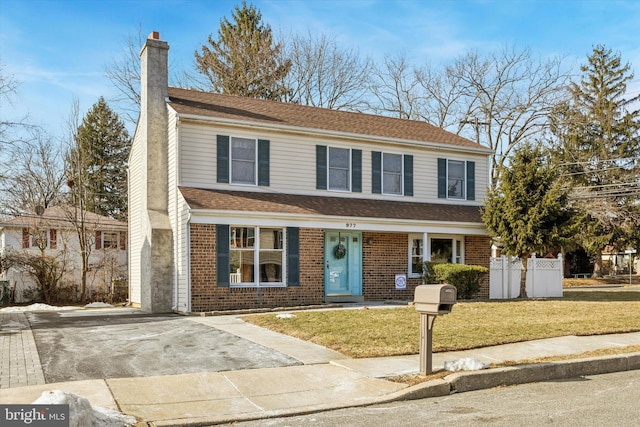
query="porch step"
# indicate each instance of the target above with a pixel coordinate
(343, 298)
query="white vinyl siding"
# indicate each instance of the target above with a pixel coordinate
(137, 181)
(293, 163)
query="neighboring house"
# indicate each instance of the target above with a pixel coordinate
(616, 262)
(53, 234)
(241, 203)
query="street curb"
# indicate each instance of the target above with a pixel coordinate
(460, 382)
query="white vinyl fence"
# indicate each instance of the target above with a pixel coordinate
(544, 277)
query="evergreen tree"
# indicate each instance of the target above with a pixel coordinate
(598, 152)
(528, 212)
(97, 163)
(244, 60)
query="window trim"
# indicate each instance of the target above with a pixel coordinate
(255, 161)
(400, 175)
(412, 238)
(257, 283)
(349, 170)
(463, 163)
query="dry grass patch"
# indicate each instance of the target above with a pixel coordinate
(395, 331)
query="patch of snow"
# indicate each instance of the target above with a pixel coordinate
(97, 305)
(36, 307)
(285, 316)
(466, 364)
(82, 414)
(14, 326)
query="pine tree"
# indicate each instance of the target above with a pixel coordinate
(598, 152)
(98, 162)
(244, 61)
(528, 212)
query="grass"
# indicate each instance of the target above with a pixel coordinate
(395, 331)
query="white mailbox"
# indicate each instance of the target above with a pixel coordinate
(435, 299)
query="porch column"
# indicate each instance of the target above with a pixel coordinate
(426, 253)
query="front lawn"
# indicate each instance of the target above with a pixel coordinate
(395, 331)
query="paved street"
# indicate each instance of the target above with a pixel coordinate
(121, 343)
(594, 401)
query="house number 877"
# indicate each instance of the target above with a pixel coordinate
(351, 225)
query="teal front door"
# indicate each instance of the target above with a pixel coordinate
(343, 264)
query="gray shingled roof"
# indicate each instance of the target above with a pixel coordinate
(192, 102)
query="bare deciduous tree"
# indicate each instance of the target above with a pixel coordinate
(395, 89)
(324, 75)
(33, 175)
(506, 96)
(78, 195)
(124, 74)
(10, 128)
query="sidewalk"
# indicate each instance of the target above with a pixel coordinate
(327, 380)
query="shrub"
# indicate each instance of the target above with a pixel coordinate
(466, 278)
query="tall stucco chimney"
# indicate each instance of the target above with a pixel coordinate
(154, 236)
(154, 86)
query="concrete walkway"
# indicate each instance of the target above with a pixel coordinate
(326, 380)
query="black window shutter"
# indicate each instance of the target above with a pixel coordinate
(376, 172)
(408, 175)
(222, 254)
(321, 167)
(471, 180)
(442, 178)
(263, 162)
(222, 164)
(293, 256)
(356, 171)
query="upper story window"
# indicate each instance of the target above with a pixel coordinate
(338, 169)
(391, 173)
(456, 179)
(243, 161)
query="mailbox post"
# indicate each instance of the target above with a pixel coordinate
(431, 301)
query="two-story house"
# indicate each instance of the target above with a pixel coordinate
(241, 203)
(53, 233)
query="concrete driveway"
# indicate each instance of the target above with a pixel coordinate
(123, 342)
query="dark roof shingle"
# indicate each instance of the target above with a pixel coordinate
(192, 102)
(224, 200)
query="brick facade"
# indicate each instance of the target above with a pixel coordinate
(207, 296)
(477, 251)
(383, 256)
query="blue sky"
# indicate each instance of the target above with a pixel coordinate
(58, 49)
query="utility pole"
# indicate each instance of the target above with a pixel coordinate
(476, 123)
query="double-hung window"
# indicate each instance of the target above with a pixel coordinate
(456, 179)
(339, 169)
(110, 239)
(256, 256)
(243, 161)
(392, 173)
